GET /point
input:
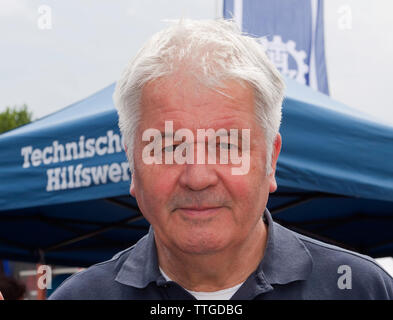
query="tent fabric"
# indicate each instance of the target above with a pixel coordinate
(64, 180)
(332, 148)
(90, 118)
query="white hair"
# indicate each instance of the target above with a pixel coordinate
(212, 51)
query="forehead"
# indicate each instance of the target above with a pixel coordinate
(190, 103)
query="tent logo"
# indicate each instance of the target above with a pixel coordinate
(78, 175)
(284, 54)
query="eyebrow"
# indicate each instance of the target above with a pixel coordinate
(218, 134)
(166, 134)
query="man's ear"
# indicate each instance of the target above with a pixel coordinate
(132, 187)
(275, 154)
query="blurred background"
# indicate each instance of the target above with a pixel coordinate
(90, 42)
(54, 53)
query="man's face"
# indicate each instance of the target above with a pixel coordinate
(175, 198)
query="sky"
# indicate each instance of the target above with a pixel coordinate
(359, 56)
(89, 43)
(86, 49)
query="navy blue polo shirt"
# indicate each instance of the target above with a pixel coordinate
(293, 267)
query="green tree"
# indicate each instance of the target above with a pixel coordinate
(14, 117)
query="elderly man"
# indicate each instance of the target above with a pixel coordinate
(200, 109)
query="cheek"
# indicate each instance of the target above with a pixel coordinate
(249, 191)
(163, 185)
(154, 187)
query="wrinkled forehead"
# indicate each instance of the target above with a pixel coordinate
(184, 96)
(189, 105)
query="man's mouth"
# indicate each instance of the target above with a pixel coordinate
(199, 211)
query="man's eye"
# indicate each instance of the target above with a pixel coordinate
(170, 148)
(227, 146)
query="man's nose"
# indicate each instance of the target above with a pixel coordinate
(198, 176)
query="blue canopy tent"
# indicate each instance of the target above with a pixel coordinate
(64, 181)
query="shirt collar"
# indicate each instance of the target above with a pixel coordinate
(286, 259)
(141, 266)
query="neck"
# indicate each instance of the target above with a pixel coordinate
(218, 271)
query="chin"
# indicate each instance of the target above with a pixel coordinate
(198, 244)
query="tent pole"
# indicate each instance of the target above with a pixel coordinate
(16, 244)
(41, 289)
(318, 237)
(123, 204)
(295, 203)
(59, 221)
(93, 233)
